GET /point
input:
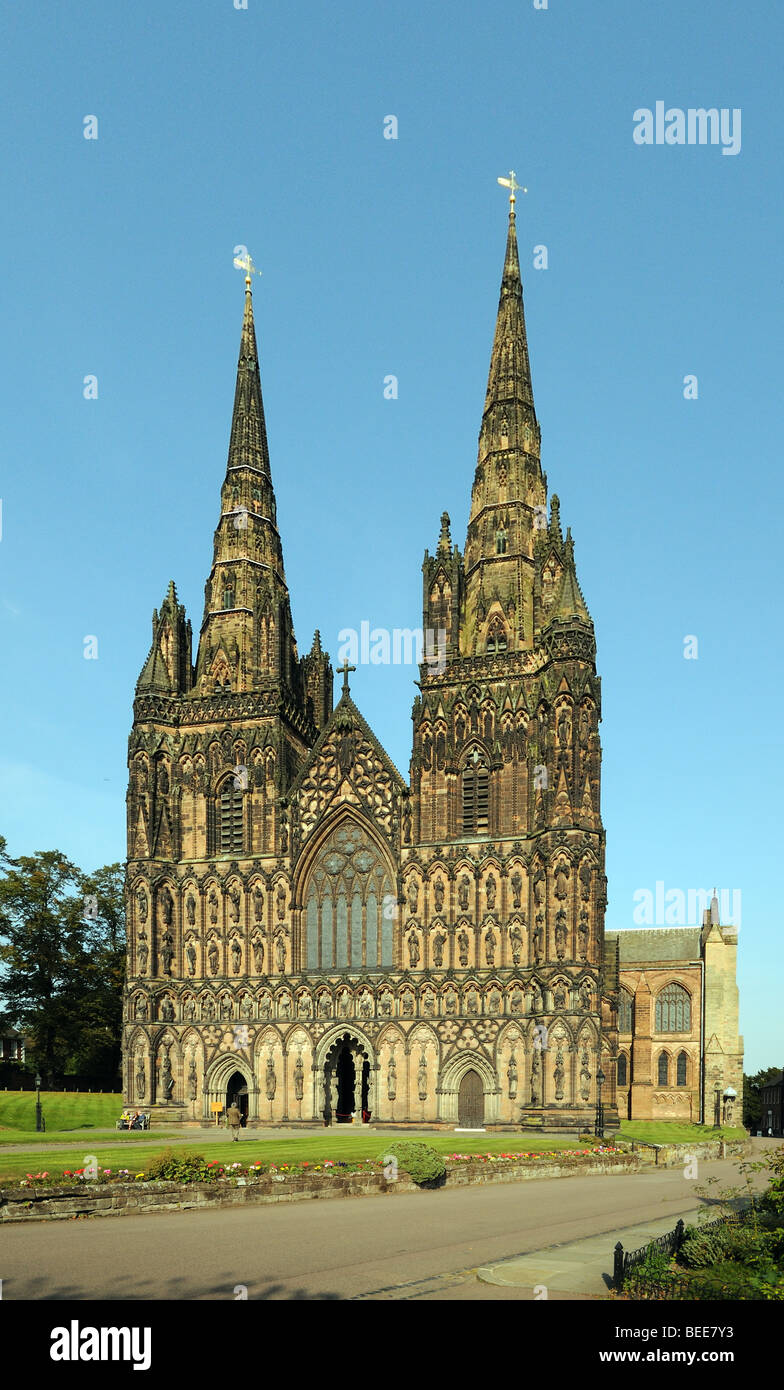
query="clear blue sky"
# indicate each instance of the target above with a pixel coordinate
(264, 126)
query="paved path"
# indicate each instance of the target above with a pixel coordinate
(416, 1245)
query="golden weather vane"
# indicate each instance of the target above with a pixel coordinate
(512, 184)
(245, 263)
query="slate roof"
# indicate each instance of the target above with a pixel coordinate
(649, 945)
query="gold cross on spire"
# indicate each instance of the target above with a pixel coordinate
(245, 263)
(512, 184)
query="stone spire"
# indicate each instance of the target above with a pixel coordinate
(509, 388)
(248, 442)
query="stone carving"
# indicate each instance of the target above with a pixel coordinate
(560, 935)
(258, 955)
(236, 956)
(210, 1011)
(585, 1077)
(491, 942)
(516, 943)
(585, 996)
(408, 1004)
(271, 1080)
(562, 872)
(392, 1077)
(189, 1009)
(258, 904)
(494, 1004)
(143, 952)
(516, 1000)
(213, 958)
(539, 885)
(212, 904)
(490, 891)
(304, 1006)
(141, 1008)
(246, 1007)
(265, 1006)
(190, 910)
(472, 1002)
(413, 896)
(193, 1081)
(538, 937)
(167, 1080)
(167, 1010)
(429, 1002)
(558, 1074)
(462, 946)
(299, 1078)
(511, 1075)
(386, 1004)
(280, 953)
(422, 1077)
(141, 1079)
(407, 822)
(439, 941)
(413, 950)
(280, 902)
(585, 880)
(536, 1078)
(284, 1006)
(438, 894)
(225, 1006)
(141, 905)
(167, 952)
(325, 1005)
(190, 955)
(559, 997)
(517, 887)
(463, 892)
(234, 903)
(582, 935)
(167, 906)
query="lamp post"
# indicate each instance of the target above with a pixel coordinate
(717, 1106)
(39, 1119)
(599, 1126)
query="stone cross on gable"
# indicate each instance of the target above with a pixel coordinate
(345, 668)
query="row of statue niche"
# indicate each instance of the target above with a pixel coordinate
(491, 941)
(233, 897)
(213, 954)
(473, 722)
(559, 1074)
(561, 877)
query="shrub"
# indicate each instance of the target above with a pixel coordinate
(422, 1163)
(178, 1167)
(740, 1244)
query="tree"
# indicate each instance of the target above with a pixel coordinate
(62, 960)
(35, 941)
(752, 1095)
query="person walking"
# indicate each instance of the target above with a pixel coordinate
(234, 1120)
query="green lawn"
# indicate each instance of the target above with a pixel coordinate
(314, 1148)
(674, 1132)
(62, 1111)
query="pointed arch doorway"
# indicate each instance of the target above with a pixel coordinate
(346, 1083)
(471, 1101)
(237, 1094)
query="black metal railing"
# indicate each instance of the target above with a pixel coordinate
(626, 1263)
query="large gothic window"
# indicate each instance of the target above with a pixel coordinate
(673, 1010)
(349, 900)
(230, 837)
(625, 1012)
(476, 798)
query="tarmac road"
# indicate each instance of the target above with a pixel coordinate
(416, 1245)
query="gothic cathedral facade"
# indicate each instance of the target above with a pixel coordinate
(312, 935)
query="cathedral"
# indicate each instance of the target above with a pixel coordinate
(318, 938)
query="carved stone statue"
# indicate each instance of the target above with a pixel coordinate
(463, 892)
(494, 1004)
(516, 1000)
(143, 953)
(190, 953)
(280, 953)
(517, 887)
(246, 1007)
(213, 957)
(141, 905)
(225, 1007)
(558, 1075)
(209, 1009)
(386, 1005)
(491, 942)
(258, 955)
(413, 950)
(167, 952)
(258, 904)
(490, 890)
(212, 904)
(422, 1077)
(438, 894)
(325, 1005)
(585, 996)
(271, 1079)
(462, 946)
(539, 883)
(236, 956)
(408, 1004)
(538, 938)
(141, 1079)
(365, 1006)
(429, 1003)
(234, 903)
(472, 1002)
(585, 1077)
(303, 1007)
(560, 935)
(536, 1077)
(280, 902)
(190, 910)
(299, 1078)
(559, 997)
(439, 941)
(167, 906)
(391, 1077)
(562, 872)
(284, 1006)
(516, 943)
(265, 1007)
(585, 881)
(413, 896)
(167, 1010)
(582, 935)
(407, 822)
(167, 1080)
(189, 1009)
(141, 1008)
(193, 1081)
(511, 1075)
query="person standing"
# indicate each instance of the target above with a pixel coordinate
(234, 1120)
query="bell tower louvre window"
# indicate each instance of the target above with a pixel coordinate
(476, 799)
(230, 836)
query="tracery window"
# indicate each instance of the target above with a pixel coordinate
(664, 1069)
(348, 901)
(673, 1010)
(625, 1012)
(496, 636)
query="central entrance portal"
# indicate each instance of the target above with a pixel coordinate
(471, 1102)
(346, 1083)
(237, 1094)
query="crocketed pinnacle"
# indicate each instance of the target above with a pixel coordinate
(248, 441)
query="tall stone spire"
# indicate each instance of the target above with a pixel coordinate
(248, 442)
(509, 492)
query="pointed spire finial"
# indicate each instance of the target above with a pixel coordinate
(344, 670)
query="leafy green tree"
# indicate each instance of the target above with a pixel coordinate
(752, 1095)
(95, 973)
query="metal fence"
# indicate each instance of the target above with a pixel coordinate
(626, 1263)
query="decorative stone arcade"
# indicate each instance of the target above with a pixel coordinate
(348, 1082)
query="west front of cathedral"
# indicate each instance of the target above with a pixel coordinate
(325, 942)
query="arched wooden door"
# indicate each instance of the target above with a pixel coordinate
(471, 1102)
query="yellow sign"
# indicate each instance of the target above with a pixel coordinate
(216, 1106)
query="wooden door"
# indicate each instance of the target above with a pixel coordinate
(471, 1102)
